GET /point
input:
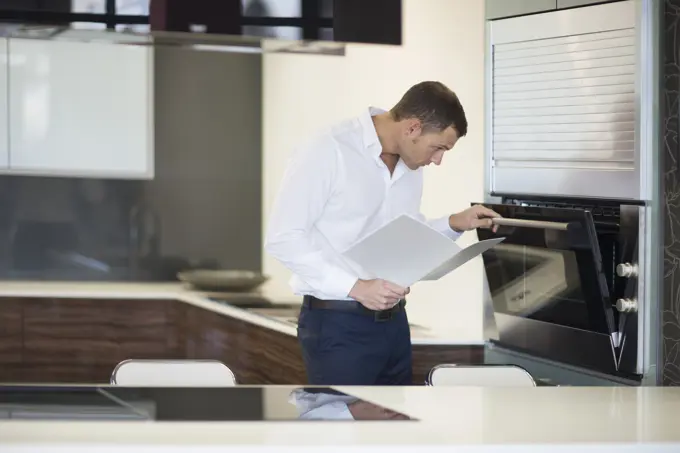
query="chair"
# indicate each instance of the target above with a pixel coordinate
(172, 373)
(480, 376)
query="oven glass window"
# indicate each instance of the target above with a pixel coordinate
(549, 274)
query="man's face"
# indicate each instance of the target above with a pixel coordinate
(420, 149)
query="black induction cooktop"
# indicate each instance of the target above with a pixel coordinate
(165, 404)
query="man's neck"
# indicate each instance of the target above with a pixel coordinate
(384, 128)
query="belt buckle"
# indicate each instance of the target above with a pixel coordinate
(382, 316)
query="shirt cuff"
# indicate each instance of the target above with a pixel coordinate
(338, 282)
(442, 225)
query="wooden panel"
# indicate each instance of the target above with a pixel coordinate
(99, 332)
(10, 332)
(81, 341)
(255, 354)
(11, 373)
(426, 357)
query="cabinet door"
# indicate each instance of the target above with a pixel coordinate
(495, 9)
(4, 121)
(565, 104)
(80, 109)
(571, 3)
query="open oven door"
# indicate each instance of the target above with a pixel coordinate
(549, 292)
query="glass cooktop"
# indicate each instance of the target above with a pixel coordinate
(245, 404)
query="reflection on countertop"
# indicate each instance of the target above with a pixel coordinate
(527, 420)
(163, 404)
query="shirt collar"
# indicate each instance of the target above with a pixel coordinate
(370, 136)
(372, 142)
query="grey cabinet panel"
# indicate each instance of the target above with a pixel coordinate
(571, 3)
(496, 9)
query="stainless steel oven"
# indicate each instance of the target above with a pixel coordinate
(563, 283)
(572, 163)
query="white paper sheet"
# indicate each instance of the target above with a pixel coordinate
(462, 257)
(406, 251)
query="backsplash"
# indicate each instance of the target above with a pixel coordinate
(203, 208)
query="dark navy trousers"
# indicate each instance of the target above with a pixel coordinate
(349, 348)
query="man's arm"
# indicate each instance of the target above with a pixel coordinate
(455, 224)
(307, 185)
(443, 225)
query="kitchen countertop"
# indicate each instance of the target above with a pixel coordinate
(584, 419)
(183, 293)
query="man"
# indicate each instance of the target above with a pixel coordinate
(348, 181)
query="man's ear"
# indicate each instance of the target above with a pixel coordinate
(413, 127)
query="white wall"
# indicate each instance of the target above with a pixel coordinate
(443, 40)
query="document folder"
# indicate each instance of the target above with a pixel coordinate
(406, 251)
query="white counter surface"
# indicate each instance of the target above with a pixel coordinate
(185, 294)
(617, 419)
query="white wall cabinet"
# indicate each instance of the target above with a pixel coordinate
(4, 120)
(80, 109)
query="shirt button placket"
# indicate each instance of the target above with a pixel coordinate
(386, 199)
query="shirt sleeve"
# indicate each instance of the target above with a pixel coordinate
(306, 187)
(442, 225)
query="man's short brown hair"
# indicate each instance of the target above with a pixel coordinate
(434, 105)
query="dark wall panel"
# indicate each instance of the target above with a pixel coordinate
(670, 174)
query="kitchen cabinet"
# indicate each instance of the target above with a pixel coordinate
(4, 105)
(496, 9)
(564, 103)
(80, 108)
(60, 340)
(561, 4)
(11, 339)
(106, 332)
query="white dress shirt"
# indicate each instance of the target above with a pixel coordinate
(322, 406)
(335, 191)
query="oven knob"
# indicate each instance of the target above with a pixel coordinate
(627, 305)
(627, 270)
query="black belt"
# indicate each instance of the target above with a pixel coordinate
(352, 306)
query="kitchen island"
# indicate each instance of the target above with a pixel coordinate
(597, 419)
(77, 332)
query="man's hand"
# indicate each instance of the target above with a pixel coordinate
(472, 218)
(377, 294)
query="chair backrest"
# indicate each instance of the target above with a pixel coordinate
(480, 376)
(172, 373)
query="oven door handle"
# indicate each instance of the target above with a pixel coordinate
(523, 223)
